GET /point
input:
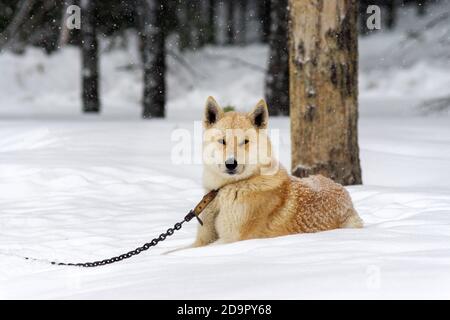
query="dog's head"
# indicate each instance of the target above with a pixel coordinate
(236, 145)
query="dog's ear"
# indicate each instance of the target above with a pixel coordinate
(260, 115)
(213, 113)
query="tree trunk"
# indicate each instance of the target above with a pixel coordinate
(64, 33)
(242, 33)
(362, 18)
(153, 55)
(23, 11)
(211, 27)
(184, 24)
(231, 27)
(89, 48)
(324, 89)
(391, 14)
(67, 36)
(201, 15)
(46, 32)
(277, 78)
(264, 17)
(196, 17)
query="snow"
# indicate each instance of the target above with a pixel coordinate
(89, 189)
(76, 188)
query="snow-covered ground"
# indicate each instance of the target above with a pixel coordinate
(89, 189)
(76, 188)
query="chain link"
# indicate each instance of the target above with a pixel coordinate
(163, 236)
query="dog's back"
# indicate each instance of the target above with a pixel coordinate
(317, 203)
(279, 205)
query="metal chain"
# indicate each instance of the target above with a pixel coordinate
(145, 247)
(177, 226)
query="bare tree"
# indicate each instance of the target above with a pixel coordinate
(211, 26)
(231, 22)
(153, 55)
(277, 77)
(264, 17)
(183, 24)
(23, 11)
(89, 49)
(391, 19)
(242, 21)
(324, 89)
(67, 36)
(197, 18)
(363, 30)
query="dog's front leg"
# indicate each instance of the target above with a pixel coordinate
(207, 233)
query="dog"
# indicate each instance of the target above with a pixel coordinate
(256, 196)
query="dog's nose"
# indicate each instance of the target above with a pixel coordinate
(231, 163)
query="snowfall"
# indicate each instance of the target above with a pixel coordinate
(77, 188)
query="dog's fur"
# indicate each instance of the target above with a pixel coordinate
(251, 204)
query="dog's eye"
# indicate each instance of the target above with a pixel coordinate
(244, 142)
(221, 141)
